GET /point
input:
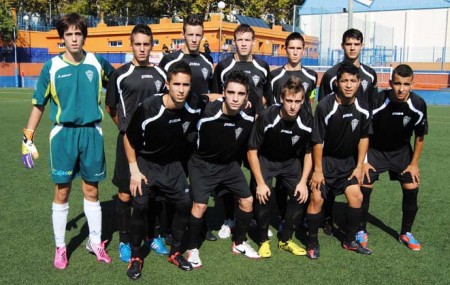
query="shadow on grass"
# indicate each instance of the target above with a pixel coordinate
(108, 227)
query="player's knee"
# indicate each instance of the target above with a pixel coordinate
(246, 204)
(198, 210)
(124, 197)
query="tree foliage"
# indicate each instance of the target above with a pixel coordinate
(7, 24)
(280, 9)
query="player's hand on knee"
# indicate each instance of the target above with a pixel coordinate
(301, 192)
(317, 180)
(414, 171)
(367, 167)
(262, 193)
(29, 151)
(136, 178)
(358, 174)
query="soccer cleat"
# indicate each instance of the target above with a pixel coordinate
(328, 227)
(225, 229)
(291, 247)
(355, 246)
(134, 268)
(124, 252)
(99, 251)
(169, 239)
(409, 240)
(312, 251)
(157, 244)
(264, 249)
(245, 249)
(362, 237)
(61, 261)
(210, 236)
(180, 261)
(194, 258)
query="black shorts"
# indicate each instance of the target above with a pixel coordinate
(394, 161)
(164, 179)
(121, 176)
(287, 172)
(206, 176)
(336, 172)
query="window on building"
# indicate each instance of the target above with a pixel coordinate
(275, 49)
(155, 43)
(61, 45)
(115, 43)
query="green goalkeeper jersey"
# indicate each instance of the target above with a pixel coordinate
(74, 90)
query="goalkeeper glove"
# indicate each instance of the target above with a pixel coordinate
(29, 150)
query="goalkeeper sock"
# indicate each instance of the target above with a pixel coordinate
(93, 213)
(59, 218)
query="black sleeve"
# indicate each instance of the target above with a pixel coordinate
(319, 127)
(257, 134)
(134, 131)
(324, 89)
(217, 86)
(112, 95)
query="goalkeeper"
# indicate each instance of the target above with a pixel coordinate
(71, 84)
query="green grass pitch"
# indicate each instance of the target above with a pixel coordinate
(27, 246)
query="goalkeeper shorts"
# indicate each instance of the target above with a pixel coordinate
(77, 150)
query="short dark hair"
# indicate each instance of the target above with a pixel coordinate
(294, 36)
(244, 28)
(294, 85)
(238, 76)
(353, 34)
(178, 67)
(193, 20)
(402, 70)
(347, 67)
(72, 19)
(142, 29)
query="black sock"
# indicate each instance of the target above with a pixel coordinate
(123, 215)
(195, 228)
(410, 208)
(314, 221)
(262, 216)
(365, 208)
(242, 225)
(294, 212)
(353, 218)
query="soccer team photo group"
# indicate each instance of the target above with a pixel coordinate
(235, 170)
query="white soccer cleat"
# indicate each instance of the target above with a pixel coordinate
(245, 249)
(194, 258)
(225, 230)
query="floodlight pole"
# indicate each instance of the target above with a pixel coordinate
(445, 42)
(293, 18)
(350, 14)
(16, 70)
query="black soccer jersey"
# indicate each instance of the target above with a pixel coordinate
(278, 139)
(222, 138)
(258, 73)
(201, 66)
(340, 127)
(129, 85)
(394, 123)
(367, 89)
(280, 76)
(160, 134)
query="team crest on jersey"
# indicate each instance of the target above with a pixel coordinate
(205, 73)
(158, 85)
(90, 75)
(364, 84)
(238, 132)
(406, 120)
(185, 126)
(295, 139)
(354, 124)
(256, 79)
(305, 85)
